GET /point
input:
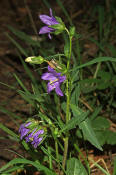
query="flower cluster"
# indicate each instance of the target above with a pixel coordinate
(31, 131)
(35, 136)
(55, 79)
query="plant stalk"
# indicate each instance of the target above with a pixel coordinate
(68, 92)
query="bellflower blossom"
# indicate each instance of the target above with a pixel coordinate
(55, 79)
(31, 136)
(34, 137)
(49, 21)
(23, 130)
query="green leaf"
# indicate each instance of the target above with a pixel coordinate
(11, 114)
(114, 170)
(75, 167)
(100, 123)
(100, 20)
(17, 45)
(96, 60)
(21, 84)
(24, 36)
(25, 161)
(89, 133)
(13, 169)
(97, 110)
(111, 137)
(105, 80)
(101, 136)
(4, 128)
(79, 116)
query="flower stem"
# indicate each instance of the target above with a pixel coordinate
(57, 155)
(68, 92)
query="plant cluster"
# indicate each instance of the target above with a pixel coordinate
(60, 121)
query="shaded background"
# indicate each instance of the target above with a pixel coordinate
(21, 15)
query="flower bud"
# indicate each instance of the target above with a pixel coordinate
(35, 60)
(72, 31)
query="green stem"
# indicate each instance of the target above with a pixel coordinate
(56, 147)
(50, 159)
(57, 155)
(68, 92)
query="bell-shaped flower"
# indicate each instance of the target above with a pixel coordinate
(55, 79)
(34, 135)
(49, 21)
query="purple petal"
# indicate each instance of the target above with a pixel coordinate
(41, 131)
(50, 69)
(24, 132)
(51, 12)
(45, 30)
(50, 87)
(48, 76)
(57, 75)
(21, 127)
(58, 91)
(27, 139)
(27, 124)
(48, 20)
(36, 141)
(49, 36)
(62, 78)
(45, 19)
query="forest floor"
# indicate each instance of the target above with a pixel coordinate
(15, 14)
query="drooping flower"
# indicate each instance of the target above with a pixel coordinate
(35, 136)
(49, 21)
(23, 130)
(55, 79)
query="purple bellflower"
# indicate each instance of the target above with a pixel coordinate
(31, 136)
(23, 130)
(55, 79)
(49, 21)
(34, 137)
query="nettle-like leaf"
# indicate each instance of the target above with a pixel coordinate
(105, 78)
(89, 133)
(85, 126)
(110, 137)
(75, 167)
(101, 127)
(100, 123)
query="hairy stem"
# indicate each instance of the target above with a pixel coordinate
(68, 91)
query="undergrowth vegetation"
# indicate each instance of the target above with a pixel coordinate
(72, 96)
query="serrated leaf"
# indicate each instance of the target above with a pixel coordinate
(97, 110)
(89, 133)
(100, 123)
(111, 137)
(104, 75)
(79, 116)
(75, 167)
(101, 136)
